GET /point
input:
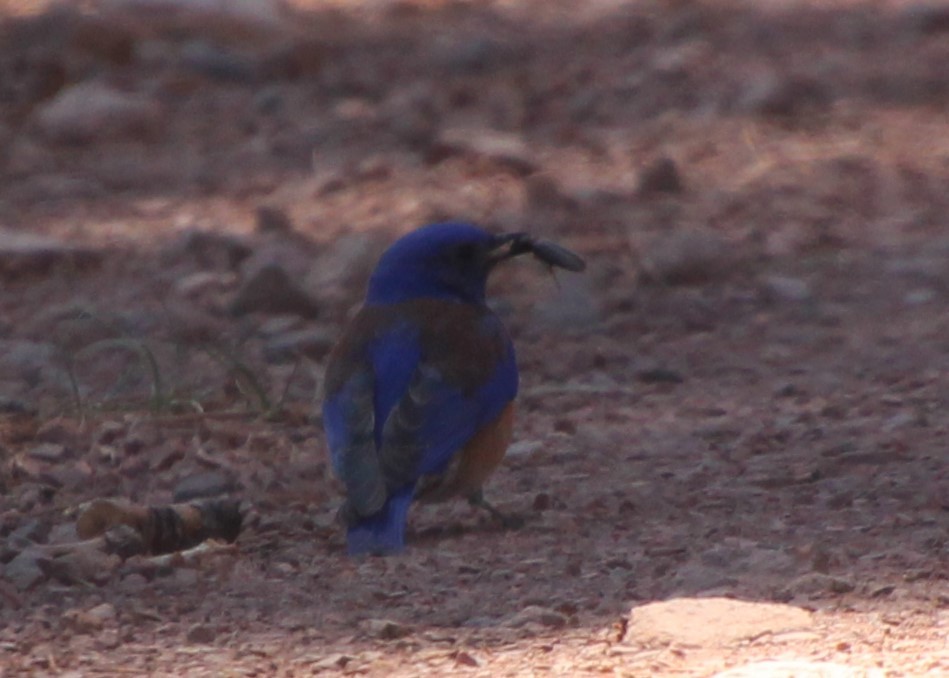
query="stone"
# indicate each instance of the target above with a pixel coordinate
(201, 634)
(687, 256)
(23, 254)
(660, 176)
(475, 55)
(83, 565)
(817, 585)
(89, 621)
(926, 18)
(294, 59)
(264, 15)
(799, 669)
(710, 622)
(50, 453)
(203, 283)
(210, 249)
(385, 629)
(779, 96)
(501, 148)
(786, 288)
(535, 614)
(203, 485)
(25, 360)
(345, 263)
(91, 110)
(574, 309)
(26, 569)
(33, 530)
(273, 220)
(217, 63)
(271, 290)
(314, 343)
(920, 296)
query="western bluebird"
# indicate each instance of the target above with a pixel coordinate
(419, 391)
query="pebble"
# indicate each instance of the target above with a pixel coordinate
(385, 629)
(89, 111)
(314, 343)
(786, 288)
(687, 256)
(660, 176)
(698, 621)
(271, 290)
(201, 634)
(203, 485)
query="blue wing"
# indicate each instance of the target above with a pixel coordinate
(424, 408)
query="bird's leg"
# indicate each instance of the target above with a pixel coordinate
(507, 521)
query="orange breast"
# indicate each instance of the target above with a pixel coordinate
(474, 464)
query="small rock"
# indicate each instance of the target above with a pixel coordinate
(927, 17)
(91, 110)
(687, 256)
(659, 375)
(64, 432)
(524, 448)
(104, 612)
(273, 220)
(25, 360)
(32, 531)
(347, 262)
(313, 343)
(541, 502)
(919, 297)
(238, 16)
(545, 193)
(780, 96)
(23, 254)
(89, 621)
(25, 570)
(786, 288)
(385, 629)
(699, 621)
(413, 115)
(272, 290)
(475, 55)
(203, 485)
(210, 249)
(535, 614)
(83, 565)
(204, 282)
(817, 585)
(574, 309)
(201, 634)
(217, 63)
(269, 100)
(295, 59)
(660, 176)
(799, 669)
(51, 453)
(504, 149)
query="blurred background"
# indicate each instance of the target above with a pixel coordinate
(745, 393)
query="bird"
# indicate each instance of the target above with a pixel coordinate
(419, 391)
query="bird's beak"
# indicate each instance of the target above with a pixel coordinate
(507, 246)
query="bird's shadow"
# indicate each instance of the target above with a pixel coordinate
(455, 529)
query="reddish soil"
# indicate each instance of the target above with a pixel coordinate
(745, 395)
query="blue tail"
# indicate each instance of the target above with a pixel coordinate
(384, 532)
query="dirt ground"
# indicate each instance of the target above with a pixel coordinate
(745, 395)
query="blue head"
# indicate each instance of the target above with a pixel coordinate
(442, 261)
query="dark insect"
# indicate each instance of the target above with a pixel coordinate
(546, 251)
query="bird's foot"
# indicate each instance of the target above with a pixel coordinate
(509, 521)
